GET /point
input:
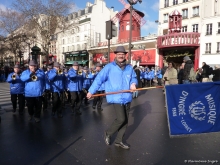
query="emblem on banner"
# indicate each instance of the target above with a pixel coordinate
(197, 111)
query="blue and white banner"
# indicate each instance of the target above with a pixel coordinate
(193, 108)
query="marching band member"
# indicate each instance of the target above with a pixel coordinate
(75, 87)
(34, 79)
(88, 77)
(47, 94)
(117, 76)
(16, 89)
(97, 101)
(57, 80)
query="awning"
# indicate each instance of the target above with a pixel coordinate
(79, 62)
(73, 55)
(83, 54)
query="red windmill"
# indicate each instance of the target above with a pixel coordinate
(137, 17)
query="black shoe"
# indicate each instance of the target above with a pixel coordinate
(122, 145)
(53, 113)
(107, 138)
(93, 106)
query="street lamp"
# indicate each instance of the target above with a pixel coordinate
(131, 2)
(20, 55)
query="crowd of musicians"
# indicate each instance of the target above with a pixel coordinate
(34, 88)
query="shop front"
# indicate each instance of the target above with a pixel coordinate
(82, 57)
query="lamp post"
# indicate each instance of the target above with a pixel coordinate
(20, 55)
(35, 52)
(131, 2)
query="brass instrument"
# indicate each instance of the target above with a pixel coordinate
(13, 77)
(60, 71)
(34, 77)
(79, 72)
(93, 72)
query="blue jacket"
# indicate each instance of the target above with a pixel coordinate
(102, 87)
(149, 75)
(33, 88)
(75, 81)
(87, 80)
(66, 81)
(159, 75)
(16, 86)
(115, 79)
(47, 82)
(57, 82)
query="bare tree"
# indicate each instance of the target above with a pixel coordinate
(44, 18)
(11, 23)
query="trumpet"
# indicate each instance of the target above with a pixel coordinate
(93, 72)
(34, 77)
(79, 72)
(60, 72)
(13, 77)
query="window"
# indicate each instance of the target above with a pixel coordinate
(73, 48)
(184, 29)
(133, 27)
(84, 46)
(185, 1)
(77, 39)
(79, 12)
(195, 27)
(86, 10)
(165, 18)
(78, 47)
(122, 27)
(208, 48)
(218, 32)
(218, 47)
(196, 11)
(175, 2)
(63, 41)
(185, 13)
(209, 29)
(68, 48)
(166, 3)
(63, 49)
(69, 41)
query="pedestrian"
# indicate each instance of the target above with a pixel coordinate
(117, 76)
(75, 84)
(16, 89)
(97, 101)
(186, 70)
(34, 79)
(139, 85)
(56, 78)
(216, 73)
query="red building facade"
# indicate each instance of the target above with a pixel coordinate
(175, 45)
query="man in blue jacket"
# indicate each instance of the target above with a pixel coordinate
(75, 84)
(97, 101)
(34, 79)
(117, 76)
(57, 83)
(16, 89)
(88, 77)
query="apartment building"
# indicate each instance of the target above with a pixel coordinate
(197, 16)
(87, 30)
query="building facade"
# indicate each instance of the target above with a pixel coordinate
(87, 30)
(198, 33)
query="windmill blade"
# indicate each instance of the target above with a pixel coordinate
(123, 2)
(118, 15)
(138, 18)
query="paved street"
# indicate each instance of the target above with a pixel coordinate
(76, 140)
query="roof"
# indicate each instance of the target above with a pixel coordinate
(175, 12)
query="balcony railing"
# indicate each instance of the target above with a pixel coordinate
(179, 39)
(208, 33)
(184, 17)
(196, 15)
(207, 51)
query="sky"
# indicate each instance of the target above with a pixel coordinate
(149, 7)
